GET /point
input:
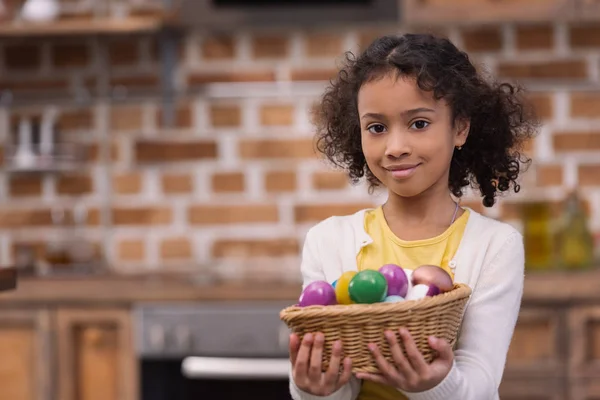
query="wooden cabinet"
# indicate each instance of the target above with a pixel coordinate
(419, 12)
(25, 348)
(95, 349)
(67, 354)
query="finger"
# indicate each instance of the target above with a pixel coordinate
(302, 360)
(386, 369)
(396, 350)
(314, 369)
(416, 359)
(294, 347)
(443, 349)
(331, 376)
(346, 373)
(372, 377)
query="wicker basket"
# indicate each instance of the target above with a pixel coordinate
(357, 325)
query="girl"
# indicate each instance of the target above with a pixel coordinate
(413, 115)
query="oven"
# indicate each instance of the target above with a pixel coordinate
(223, 350)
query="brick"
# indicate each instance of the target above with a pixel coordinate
(220, 47)
(589, 174)
(313, 74)
(93, 152)
(267, 46)
(139, 81)
(175, 249)
(549, 175)
(142, 216)
(74, 184)
(234, 214)
(228, 182)
(82, 119)
(534, 37)
(93, 217)
(484, 39)
(329, 180)
(19, 186)
(161, 151)
(75, 55)
(319, 212)
(557, 69)
(225, 115)
(183, 116)
(576, 141)
(24, 217)
(277, 115)
(131, 250)
(225, 248)
(124, 51)
(273, 149)
(201, 78)
(320, 44)
(585, 105)
(127, 183)
(177, 183)
(280, 181)
(22, 56)
(542, 103)
(126, 117)
(34, 84)
(584, 36)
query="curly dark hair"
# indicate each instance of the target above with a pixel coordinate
(500, 117)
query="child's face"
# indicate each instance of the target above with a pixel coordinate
(408, 137)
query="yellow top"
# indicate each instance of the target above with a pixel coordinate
(387, 248)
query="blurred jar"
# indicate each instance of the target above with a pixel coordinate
(575, 241)
(537, 235)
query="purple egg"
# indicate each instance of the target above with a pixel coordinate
(318, 293)
(396, 279)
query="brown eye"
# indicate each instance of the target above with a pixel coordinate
(420, 124)
(376, 129)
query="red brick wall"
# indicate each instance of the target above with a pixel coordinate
(237, 175)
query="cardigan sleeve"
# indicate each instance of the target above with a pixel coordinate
(312, 270)
(487, 329)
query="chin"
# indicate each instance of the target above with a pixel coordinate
(405, 189)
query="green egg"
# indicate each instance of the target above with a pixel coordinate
(368, 286)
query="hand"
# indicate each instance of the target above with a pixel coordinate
(411, 374)
(306, 365)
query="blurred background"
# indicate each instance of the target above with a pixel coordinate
(158, 178)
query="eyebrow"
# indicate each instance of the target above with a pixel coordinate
(403, 113)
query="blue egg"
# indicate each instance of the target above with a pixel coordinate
(393, 299)
(334, 283)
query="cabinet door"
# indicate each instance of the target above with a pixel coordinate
(96, 358)
(418, 12)
(584, 362)
(26, 356)
(536, 361)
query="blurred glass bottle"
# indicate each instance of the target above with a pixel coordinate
(575, 240)
(537, 235)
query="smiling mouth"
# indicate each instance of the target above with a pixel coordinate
(403, 172)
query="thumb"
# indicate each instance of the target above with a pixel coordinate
(294, 347)
(443, 349)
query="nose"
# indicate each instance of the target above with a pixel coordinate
(397, 145)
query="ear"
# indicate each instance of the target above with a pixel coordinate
(462, 132)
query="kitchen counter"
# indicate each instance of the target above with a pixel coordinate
(555, 287)
(8, 279)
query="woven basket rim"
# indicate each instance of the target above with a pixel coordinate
(291, 313)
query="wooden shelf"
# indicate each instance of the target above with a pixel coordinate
(8, 279)
(83, 26)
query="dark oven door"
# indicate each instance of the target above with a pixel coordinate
(196, 378)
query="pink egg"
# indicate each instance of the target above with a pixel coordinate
(396, 279)
(317, 293)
